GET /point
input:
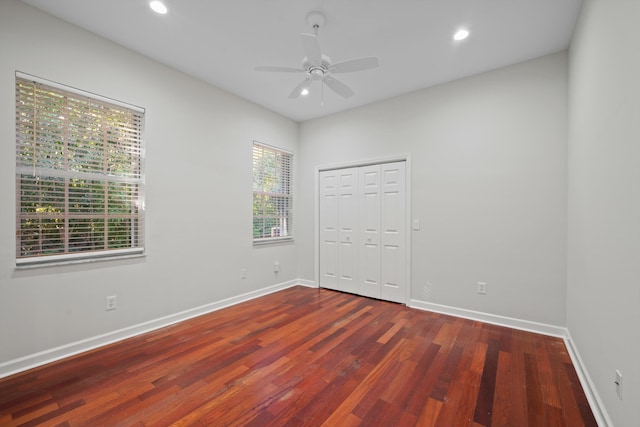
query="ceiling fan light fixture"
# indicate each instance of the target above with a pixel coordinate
(304, 92)
(461, 34)
(158, 7)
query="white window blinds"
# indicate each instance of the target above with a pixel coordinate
(79, 175)
(272, 194)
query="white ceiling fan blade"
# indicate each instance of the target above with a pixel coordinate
(280, 69)
(357, 64)
(311, 48)
(338, 87)
(298, 90)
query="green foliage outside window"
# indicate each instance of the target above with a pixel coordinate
(272, 198)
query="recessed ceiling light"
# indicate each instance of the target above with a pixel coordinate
(158, 7)
(461, 34)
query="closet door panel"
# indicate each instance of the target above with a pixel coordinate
(329, 230)
(393, 232)
(369, 226)
(347, 223)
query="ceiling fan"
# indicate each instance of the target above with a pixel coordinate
(318, 66)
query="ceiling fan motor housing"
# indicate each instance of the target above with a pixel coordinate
(317, 71)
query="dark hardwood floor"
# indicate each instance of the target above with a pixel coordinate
(308, 357)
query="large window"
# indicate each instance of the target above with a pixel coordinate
(272, 194)
(79, 174)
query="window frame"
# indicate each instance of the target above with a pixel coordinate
(131, 183)
(287, 194)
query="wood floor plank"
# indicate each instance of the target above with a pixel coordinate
(484, 404)
(536, 412)
(549, 388)
(429, 413)
(502, 395)
(518, 413)
(308, 357)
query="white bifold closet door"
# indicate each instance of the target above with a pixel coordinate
(362, 230)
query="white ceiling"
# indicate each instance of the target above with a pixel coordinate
(221, 41)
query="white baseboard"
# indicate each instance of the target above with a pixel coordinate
(51, 355)
(307, 283)
(597, 406)
(525, 325)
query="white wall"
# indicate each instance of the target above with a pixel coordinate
(603, 310)
(488, 183)
(198, 192)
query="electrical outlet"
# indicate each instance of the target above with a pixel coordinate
(276, 267)
(482, 288)
(618, 383)
(111, 303)
(243, 273)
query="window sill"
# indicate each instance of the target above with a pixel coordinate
(62, 262)
(272, 240)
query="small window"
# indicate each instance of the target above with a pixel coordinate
(79, 175)
(272, 194)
